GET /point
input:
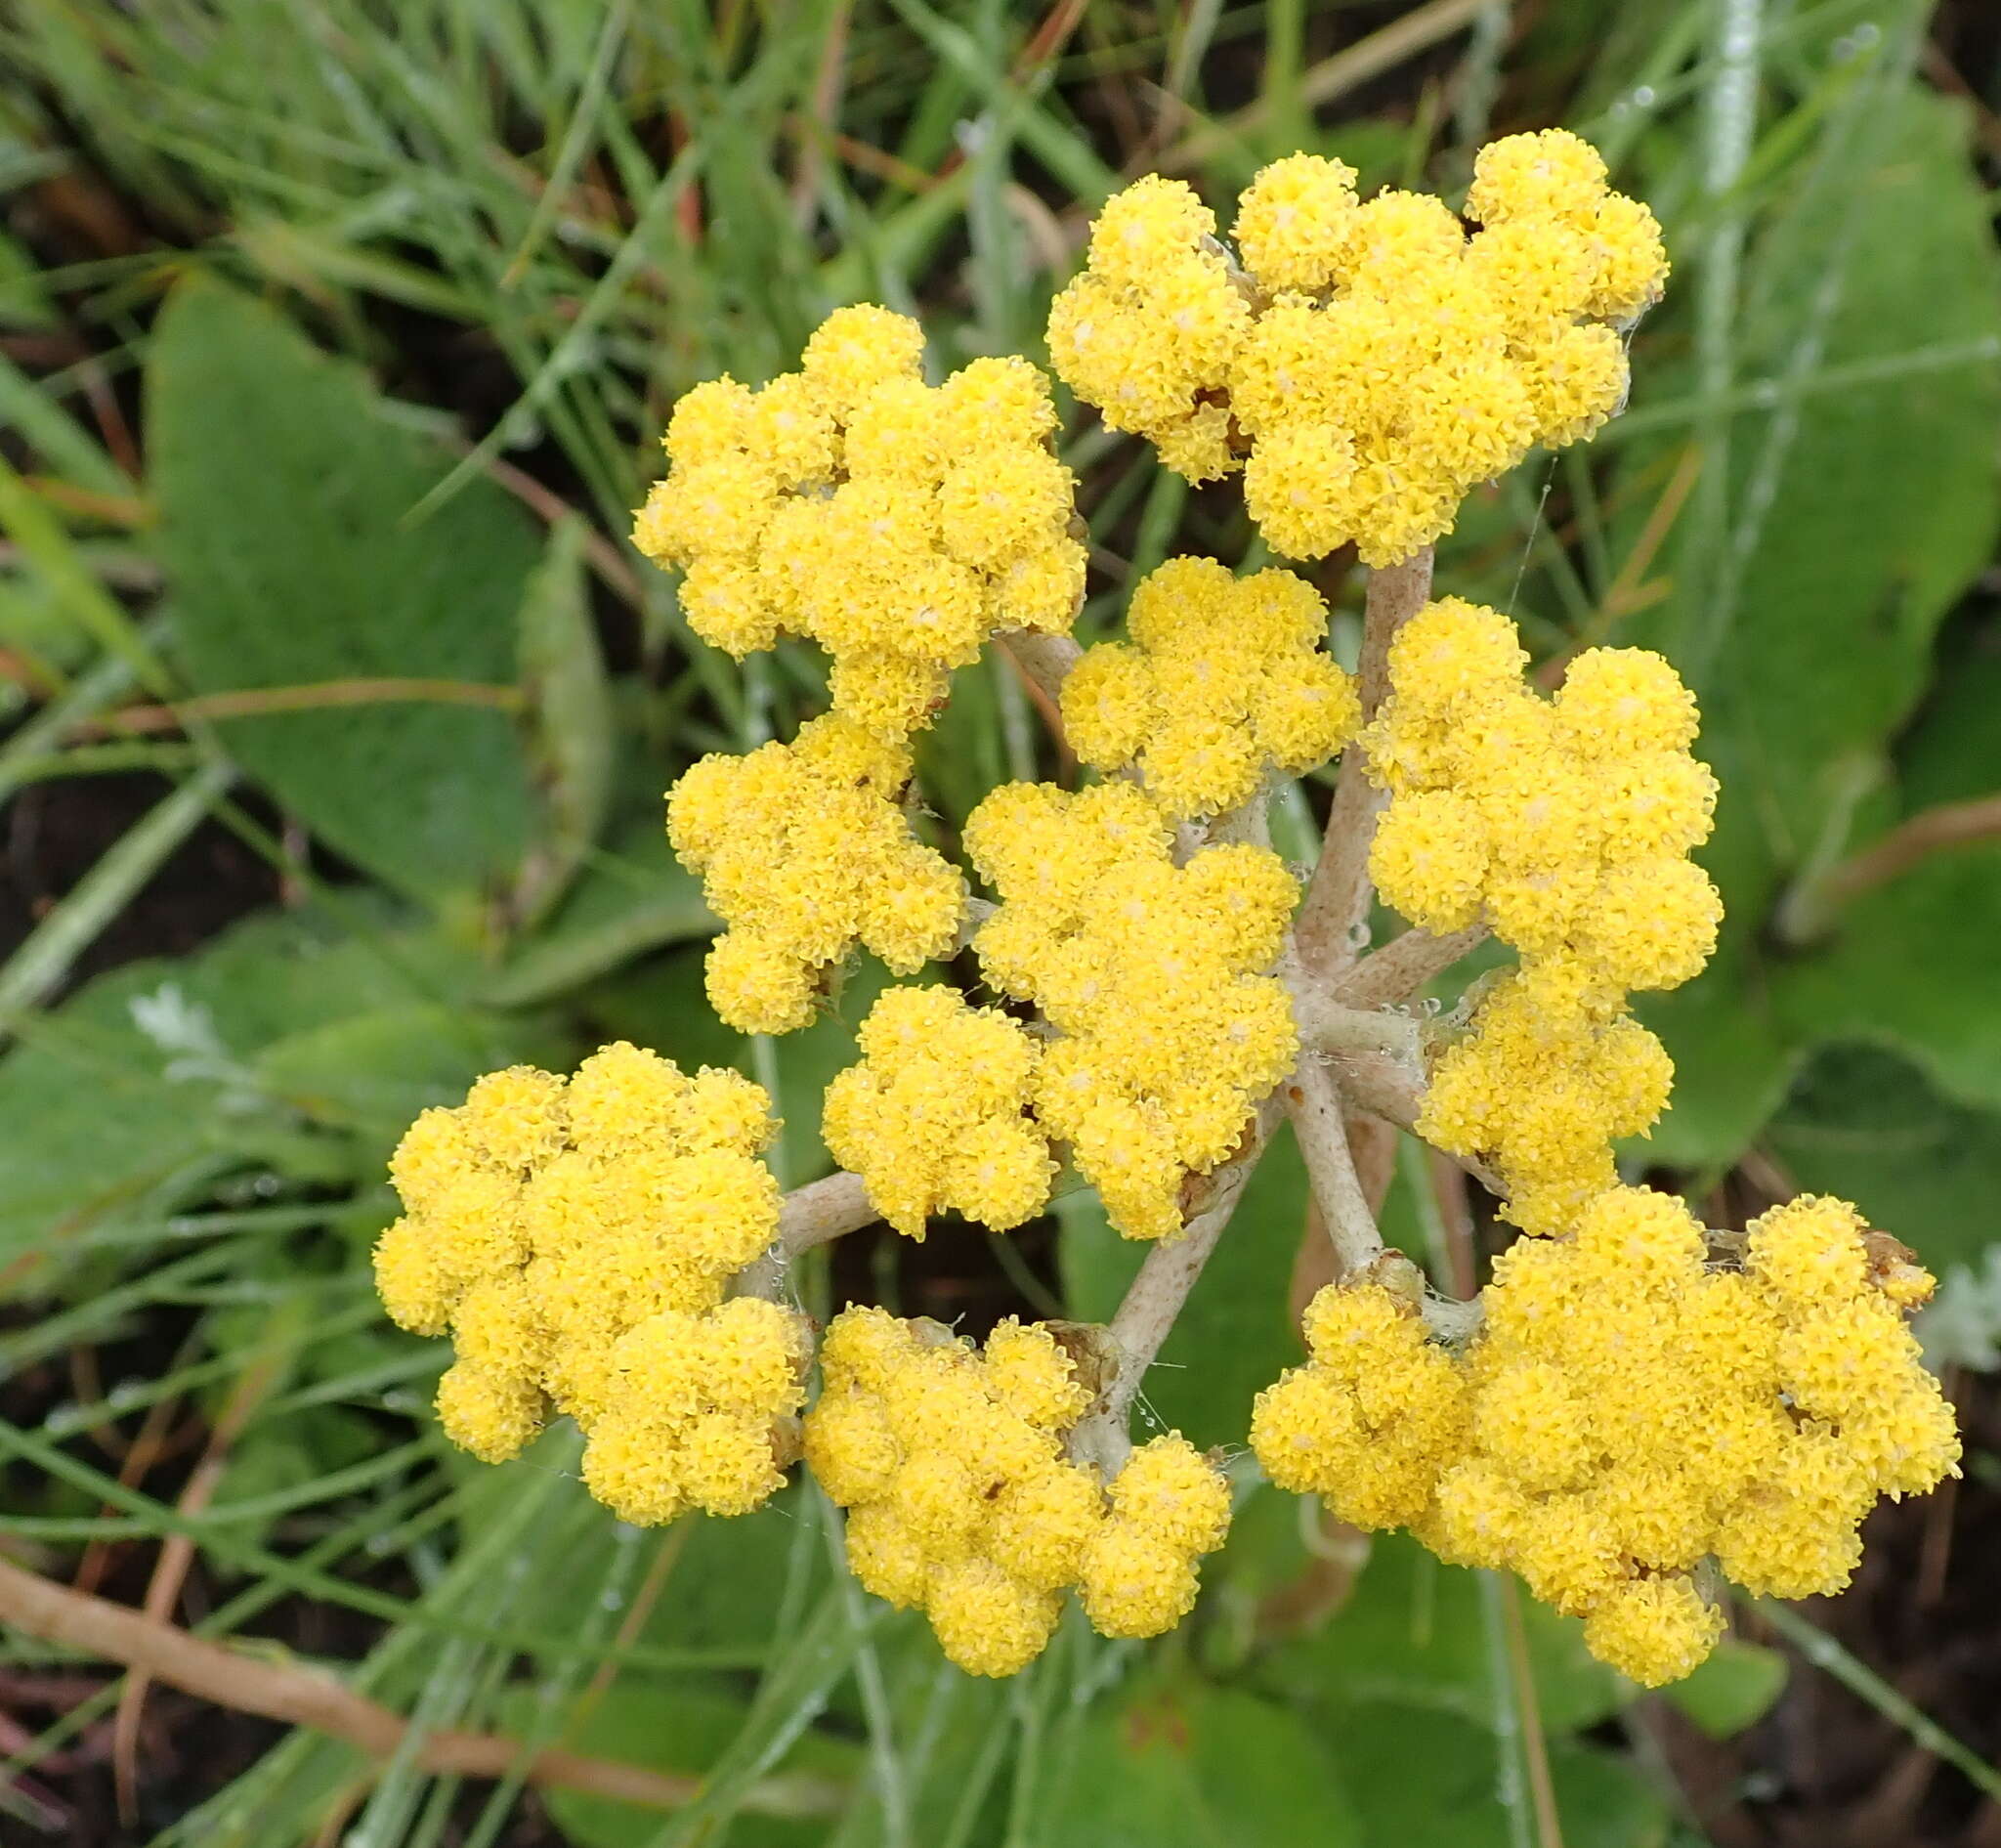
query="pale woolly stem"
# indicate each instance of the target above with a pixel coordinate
(816, 1214)
(824, 1210)
(1389, 1088)
(1252, 823)
(1152, 1300)
(1403, 966)
(1335, 909)
(1045, 659)
(1314, 1103)
(1329, 1026)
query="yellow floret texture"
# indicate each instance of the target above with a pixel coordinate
(1374, 1415)
(897, 524)
(575, 1237)
(804, 851)
(1368, 363)
(934, 1118)
(1221, 681)
(1565, 825)
(1634, 1404)
(1168, 1032)
(961, 1502)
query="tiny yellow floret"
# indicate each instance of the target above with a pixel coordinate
(804, 851)
(576, 1237)
(933, 1118)
(1223, 681)
(895, 523)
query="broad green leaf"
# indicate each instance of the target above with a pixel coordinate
(1425, 1778)
(1235, 1336)
(1856, 518)
(283, 495)
(630, 898)
(1882, 498)
(1411, 1632)
(1733, 1061)
(1862, 1124)
(1734, 1689)
(1180, 1763)
(1952, 753)
(164, 1072)
(1911, 965)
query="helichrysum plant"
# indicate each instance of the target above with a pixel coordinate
(1633, 1409)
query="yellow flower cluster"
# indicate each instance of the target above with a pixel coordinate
(804, 852)
(576, 1238)
(897, 524)
(1370, 363)
(1637, 1408)
(1220, 680)
(961, 1502)
(1629, 1406)
(697, 1410)
(1373, 1416)
(1566, 824)
(934, 1117)
(1148, 972)
(1540, 1087)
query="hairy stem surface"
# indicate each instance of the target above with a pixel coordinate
(823, 1210)
(1336, 908)
(1313, 1100)
(1154, 1298)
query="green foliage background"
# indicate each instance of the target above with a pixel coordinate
(401, 296)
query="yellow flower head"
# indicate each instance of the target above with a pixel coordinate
(1221, 680)
(1540, 1087)
(1151, 974)
(1563, 824)
(960, 1501)
(1637, 1404)
(804, 851)
(1294, 221)
(1372, 1418)
(933, 1118)
(1155, 319)
(897, 524)
(1370, 362)
(575, 1236)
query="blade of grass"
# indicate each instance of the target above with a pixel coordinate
(1827, 1654)
(96, 612)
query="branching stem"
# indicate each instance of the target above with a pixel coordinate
(1403, 966)
(823, 1210)
(1314, 1103)
(1336, 908)
(1045, 659)
(1153, 1300)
